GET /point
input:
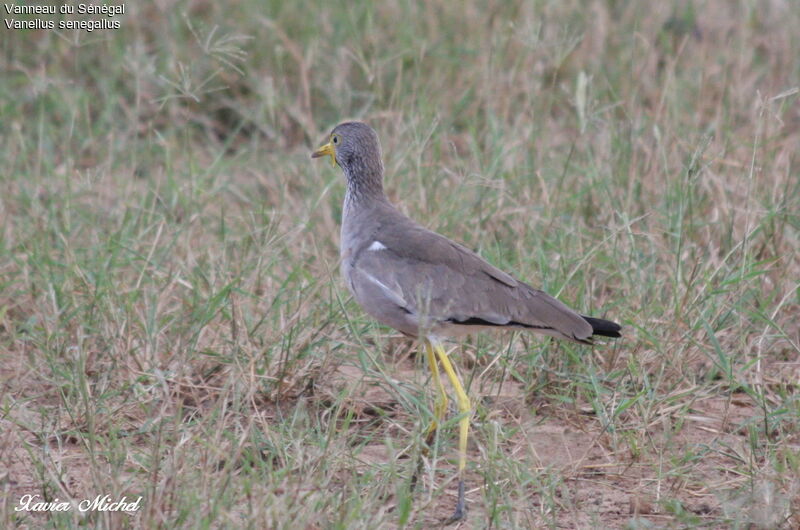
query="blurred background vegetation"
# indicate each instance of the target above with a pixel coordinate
(172, 324)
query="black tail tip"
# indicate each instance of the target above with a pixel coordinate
(604, 328)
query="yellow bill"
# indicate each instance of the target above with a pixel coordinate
(326, 149)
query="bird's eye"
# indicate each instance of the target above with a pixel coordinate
(335, 139)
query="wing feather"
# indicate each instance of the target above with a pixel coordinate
(432, 276)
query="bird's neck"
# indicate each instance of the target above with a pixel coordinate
(364, 196)
(362, 206)
(364, 186)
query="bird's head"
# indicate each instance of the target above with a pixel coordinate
(354, 146)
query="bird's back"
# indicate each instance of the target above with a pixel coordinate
(418, 281)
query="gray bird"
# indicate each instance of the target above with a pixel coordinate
(427, 286)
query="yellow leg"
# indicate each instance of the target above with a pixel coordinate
(463, 424)
(440, 407)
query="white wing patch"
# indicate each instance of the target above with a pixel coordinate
(391, 294)
(377, 245)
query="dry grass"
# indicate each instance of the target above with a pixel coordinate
(172, 324)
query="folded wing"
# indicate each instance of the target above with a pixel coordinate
(443, 283)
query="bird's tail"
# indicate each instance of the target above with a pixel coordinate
(602, 327)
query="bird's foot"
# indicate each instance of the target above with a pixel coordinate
(461, 506)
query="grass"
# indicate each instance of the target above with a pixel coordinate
(173, 326)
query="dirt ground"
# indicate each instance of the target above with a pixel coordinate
(600, 485)
(604, 487)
